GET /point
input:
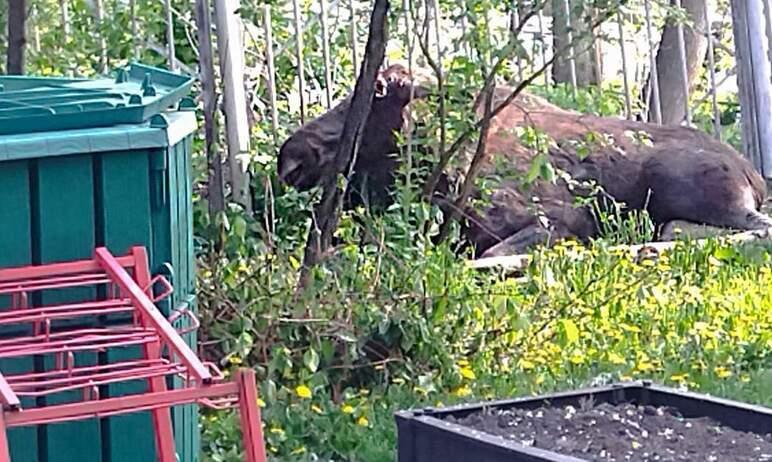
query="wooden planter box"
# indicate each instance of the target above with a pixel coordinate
(433, 435)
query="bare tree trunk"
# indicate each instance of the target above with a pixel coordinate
(585, 45)
(754, 79)
(327, 211)
(17, 39)
(671, 83)
(215, 191)
(231, 55)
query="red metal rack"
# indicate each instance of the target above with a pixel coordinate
(53, 330)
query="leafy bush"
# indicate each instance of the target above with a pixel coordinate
(388, 327)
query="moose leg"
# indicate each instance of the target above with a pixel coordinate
(521, 242)
(753, 219)
(676, 229)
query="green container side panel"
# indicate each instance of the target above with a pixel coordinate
(15, 220)
(64, 231)
(23, 441)
(188, 278)
(16, 250)
(68, 192)
(15, 236)
(172, 243)
(123, 221)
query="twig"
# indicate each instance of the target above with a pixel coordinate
(464, 137)
(474, 168)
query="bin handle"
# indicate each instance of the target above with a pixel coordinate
(184, 311)
(168, 289)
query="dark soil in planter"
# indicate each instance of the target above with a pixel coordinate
(626, 432)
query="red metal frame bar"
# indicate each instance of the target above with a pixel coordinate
(152, 315)
(243, 388)
(26, 273)
(162, 418)
(66, 311)
(76, 341)
(116, 406)
(130, 288)
(64, 282)
(61, 381)
(8, 397)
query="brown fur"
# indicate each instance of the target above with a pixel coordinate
(683, 174)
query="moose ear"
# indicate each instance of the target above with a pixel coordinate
(381, 86)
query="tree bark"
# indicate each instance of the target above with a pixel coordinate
(327, 211)
(669, 68)
(754, 77)
(230, 51)
(17, 39)
(215, 190)
(586, 50)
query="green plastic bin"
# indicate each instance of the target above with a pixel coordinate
(67, 192)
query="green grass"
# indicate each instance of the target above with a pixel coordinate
(445, 333)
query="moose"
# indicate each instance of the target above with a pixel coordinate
(674, 173)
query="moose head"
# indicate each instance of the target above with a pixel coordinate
(308, 155)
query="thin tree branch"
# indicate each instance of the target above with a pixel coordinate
(483, 125)
(464, 137)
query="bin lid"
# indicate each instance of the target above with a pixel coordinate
(161, 131)
(134, 95)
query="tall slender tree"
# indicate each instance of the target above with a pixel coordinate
(587, 57)
(17, 37)
(669, 68)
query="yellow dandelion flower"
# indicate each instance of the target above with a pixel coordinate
(722, 372)
(317, 409)
(629, 328)
(362, 421)
(463, 391)
(347, 409)
(303, 391)
(276, 431)
(298, 451)
(467, 373)
(577, 357)
(680, 378)
(615, 358)
(260, 402)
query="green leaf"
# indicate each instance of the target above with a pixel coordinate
(440, 308)
(724, 253)
(546, 171)
(534, 170)
(239, 227)
(311, 360)
(572, 332)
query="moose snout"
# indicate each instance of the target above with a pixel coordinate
(298, 165)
